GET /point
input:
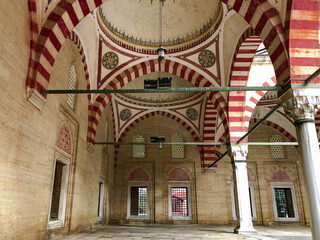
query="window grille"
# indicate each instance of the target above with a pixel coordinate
(276, 151)
(72, 86)
(138, 151)
(138, 201)
(177, 151)
(179, 201)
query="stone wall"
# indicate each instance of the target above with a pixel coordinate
(211, 189)
(29, 138)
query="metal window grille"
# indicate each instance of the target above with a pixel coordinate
(138, 151)
(72, 86)
(177, 151)
(139, 201)
(179, 201)
(277, 151)
(284, 203)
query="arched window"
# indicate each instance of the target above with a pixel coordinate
(72, 86)
(138, 151)
(277, 151)
(177, 151)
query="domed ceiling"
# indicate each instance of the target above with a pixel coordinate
(185, 23)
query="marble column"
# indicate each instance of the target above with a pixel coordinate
(241, 190)
(302, 105)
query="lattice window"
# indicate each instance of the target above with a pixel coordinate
(72, 86)
(138, 151)
(277, 151)
(177, 151)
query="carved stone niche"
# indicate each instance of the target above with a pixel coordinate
(302, 103)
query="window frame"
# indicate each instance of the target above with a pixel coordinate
(294, 202)
(52, 224)
(140, 185)
(253, 203)
(101, 201)
(179, 185)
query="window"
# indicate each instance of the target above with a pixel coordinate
(179, 201)
(284, 203)
(58, 202)
(277, 151)
(138, 151)
(100, 203)
(177, 151)
(138, 202)
(252, 203)
(72, 86)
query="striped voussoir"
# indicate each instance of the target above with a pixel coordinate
(194, 135)
(276, 127)
(238, 123)
(75, 38)
(144, 68)
(304, 39)
(57, 27)
(255, 98)
(266, 23)
(34, 30)
(209, 134)
(66, 14)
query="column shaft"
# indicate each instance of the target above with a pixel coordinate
(310, 155)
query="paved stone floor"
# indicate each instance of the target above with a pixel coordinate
(194, 232)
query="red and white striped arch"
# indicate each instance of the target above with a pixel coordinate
(75, 38)
(209, 135)
(61, 21)
(66, 14)
(304, 45)
(238, 123)
(194, 135)
(255, 98)
(144, 68)
(266, 23)
(276, 127)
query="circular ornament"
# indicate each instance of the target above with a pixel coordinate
(206, 58)
(192, 114)
(110, 60)
(125, 114)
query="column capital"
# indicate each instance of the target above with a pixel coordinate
(301, 103)
(238, 153)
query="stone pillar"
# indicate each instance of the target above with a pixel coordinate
(241, 190)
(302, 105)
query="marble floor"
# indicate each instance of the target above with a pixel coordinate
(188, 232)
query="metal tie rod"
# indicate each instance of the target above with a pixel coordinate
(201, 143)
(165, 90)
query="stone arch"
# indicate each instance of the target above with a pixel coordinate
(178, 174)
(151, 114)
(304, 40)
(144, 68)
(281, 174)
(65, 16)
(76, 40)
(139, 174)
(239, 78)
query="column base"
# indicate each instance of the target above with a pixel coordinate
(245, 231)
